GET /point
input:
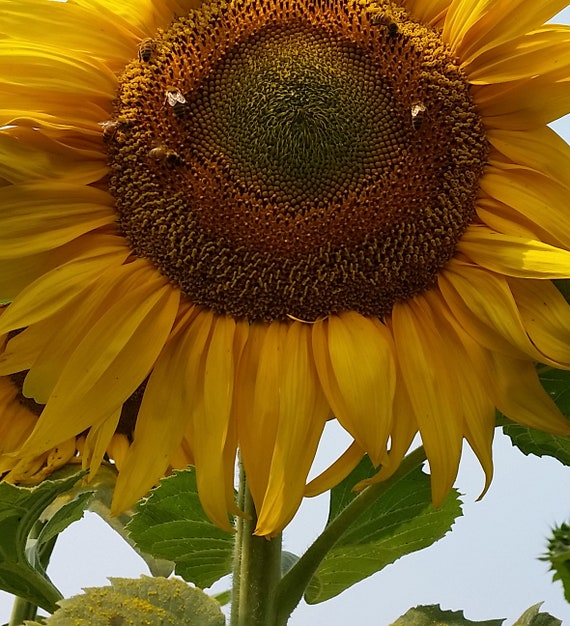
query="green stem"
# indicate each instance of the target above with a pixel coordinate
(257, 569)
(23, 609)
(290, 590)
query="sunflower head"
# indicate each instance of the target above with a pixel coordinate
(225, 223)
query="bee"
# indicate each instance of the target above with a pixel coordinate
(392, 28)
(146, 49)
(163, 154)
(417, 112)
(110, 128)
(385, 20)
(174, 96)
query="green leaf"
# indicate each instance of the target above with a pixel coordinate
(171, 524)
(21, 508)
(434, 615)
(401, 521)
(130, 602)
(531, 441)
(558, 555)
(533, 617)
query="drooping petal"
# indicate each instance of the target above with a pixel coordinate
(430, 382)
(336, 472)
(257, 403)
(520, 396)
(486, 309)
(546, 318)
(361, 397)
(162, 417)
(303, 411)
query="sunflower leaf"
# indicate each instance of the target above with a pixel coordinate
(428, 615)
(402, 520)
(558, 555)
(22, 570)
(171, 524)
(130, 602)
(533, 617)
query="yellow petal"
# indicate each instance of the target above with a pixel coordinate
(540, 53)
(95, 381)
(513, 256)
(39, 217)
(303, 411)
(430, 381)
(485, 307)
(257, 403)
(162, 418)
(361, 397)
(97, 441)
(66, 26)
(460, 18)
(506, 220)
(540, 199)
(504, 20)
(430, 12)
(522, 104)
(521, 397)
(477, 408)
(546, 318)
(540, 149)
(57, 288)
(337, 472)
(27, 155)
(214, 374)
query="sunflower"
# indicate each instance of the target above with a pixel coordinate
(226, 222)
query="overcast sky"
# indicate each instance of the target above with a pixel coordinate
(487, 566)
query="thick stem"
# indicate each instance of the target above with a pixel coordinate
(257, 569)
(293, 585)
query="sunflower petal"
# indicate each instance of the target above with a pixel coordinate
(361, 397)
(521, 397)
(540, 148)
(540, 53)
(40, 217)
(303, 411)
(501, 21)
(58, 287)
(337, 472)
(257, 403)
(486, 309)
(514, 256)
(546, 318)
(429, 380)
(539, 198)
(96, 381)
(161, 420)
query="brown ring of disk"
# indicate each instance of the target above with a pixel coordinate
(296, 158)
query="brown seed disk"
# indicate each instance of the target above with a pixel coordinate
(296, 158)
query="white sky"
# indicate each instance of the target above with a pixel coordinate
(487, 566)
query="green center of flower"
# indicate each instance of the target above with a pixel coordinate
(296, 159)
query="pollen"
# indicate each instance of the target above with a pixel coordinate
(296, 158)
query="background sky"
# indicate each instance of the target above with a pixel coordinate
(488, 565)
